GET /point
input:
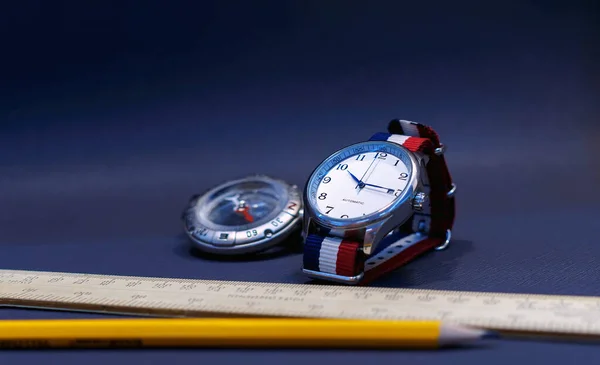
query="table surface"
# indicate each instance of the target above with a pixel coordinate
(110, 123)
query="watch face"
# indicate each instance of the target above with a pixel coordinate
(360, 181)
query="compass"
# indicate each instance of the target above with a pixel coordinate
(243, 216)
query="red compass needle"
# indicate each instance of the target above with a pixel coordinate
(245, 211)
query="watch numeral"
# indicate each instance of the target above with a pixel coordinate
(342, 167)
(323, 196)
(403, 176)
(344, 216)
(396, 164)
(381, 155)
(398, 191)
(251, 233)
(330, 209)
(360, 158)
(326, 179)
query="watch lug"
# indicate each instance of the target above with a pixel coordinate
(374, 233)
(306, 224)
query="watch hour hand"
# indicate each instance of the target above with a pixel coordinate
(355, 178)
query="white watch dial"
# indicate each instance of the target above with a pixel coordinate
(354, 185)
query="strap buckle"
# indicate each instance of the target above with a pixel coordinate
(333, 277)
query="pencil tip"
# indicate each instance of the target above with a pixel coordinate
(456, 335)
(491, 335)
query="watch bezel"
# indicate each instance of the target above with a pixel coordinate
(402, 205)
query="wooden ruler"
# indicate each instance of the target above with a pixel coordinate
(153, 296)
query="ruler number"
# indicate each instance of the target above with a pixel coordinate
(302, 293)
(394, 296)
(491, 301)
(526, 305)
(161, 285)
(425, 298)
(377, 311)
(216, 288)
(444, 314)
(273, 291)
(332, 294)
(195, 300)
(187, 287)
(82, 293)
(458, 299)
(362, 295)
(27, 279)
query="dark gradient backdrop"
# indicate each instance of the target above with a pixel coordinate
(114, 112)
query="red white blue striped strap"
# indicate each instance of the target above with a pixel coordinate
(331, 255)
(344, 257)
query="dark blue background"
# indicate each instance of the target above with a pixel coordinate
(113, 113)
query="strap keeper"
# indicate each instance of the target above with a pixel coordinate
(440, 150)
(452, 191)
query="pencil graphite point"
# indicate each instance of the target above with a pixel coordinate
(455, 335)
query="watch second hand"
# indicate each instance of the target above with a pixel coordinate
(370, 173)
(365, 174)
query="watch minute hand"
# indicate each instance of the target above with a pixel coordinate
(380, 187)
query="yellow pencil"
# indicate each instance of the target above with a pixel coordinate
(232, 332)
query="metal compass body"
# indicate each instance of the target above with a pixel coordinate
(244, 215)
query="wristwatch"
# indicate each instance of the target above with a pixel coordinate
(373, 206)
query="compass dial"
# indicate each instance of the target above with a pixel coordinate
(243, 215)
(245, 204)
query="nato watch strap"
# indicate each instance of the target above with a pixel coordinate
(332, 255)
(431, 227)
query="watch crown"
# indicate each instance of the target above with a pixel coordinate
(419, 201)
